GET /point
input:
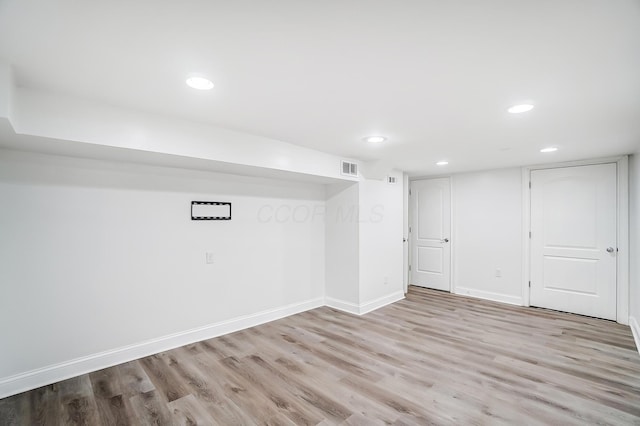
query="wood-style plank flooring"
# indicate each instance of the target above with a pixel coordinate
(434, 358)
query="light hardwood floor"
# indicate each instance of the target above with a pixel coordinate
(434, 358)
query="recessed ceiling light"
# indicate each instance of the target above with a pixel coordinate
(199, 83)
(517, 109)
(442, 163)
(375, 139)
(549, 149)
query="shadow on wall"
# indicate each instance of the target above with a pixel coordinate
(42, 169)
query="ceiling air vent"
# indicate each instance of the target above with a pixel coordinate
(349, 169)
(391, 180)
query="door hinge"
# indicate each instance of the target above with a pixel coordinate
(409, 268)
(529, 184)
(529, 284)
(529, 234)
(409, 229)
(409, 192)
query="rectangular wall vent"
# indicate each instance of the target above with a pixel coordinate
(210, 210)
(349, 169)
(391, 180)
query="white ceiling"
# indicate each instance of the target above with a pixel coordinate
(434, 77)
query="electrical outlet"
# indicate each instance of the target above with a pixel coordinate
(498, 272)
(209, 257)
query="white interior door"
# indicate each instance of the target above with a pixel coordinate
(430, 232)
(573, 239)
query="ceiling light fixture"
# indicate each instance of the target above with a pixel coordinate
(549, 149)
(199, 83)
(375, 139)
(442, 163)
(517, 109)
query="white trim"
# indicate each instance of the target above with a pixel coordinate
(406, 248)
(526, 228)
(372, 305)
(54, 373)
(622, 272)
(341, 305)
(488, 295)
(453, 237)
(366, 307)
(410, 234)
(635, 330)
(576, 163)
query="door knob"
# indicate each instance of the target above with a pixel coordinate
(610, 249)
(446, 240)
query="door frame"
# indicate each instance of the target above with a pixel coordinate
(451, 230)
(622, 225)
(406, 246)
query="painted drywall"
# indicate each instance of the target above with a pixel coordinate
(381, 230)
(487, 234)
(342, 246)
(364, 253)
(95, 255)
(85, 122)
(634, 236)
(7, 89)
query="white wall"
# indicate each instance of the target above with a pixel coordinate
(342, 245)
(6, 90)
(95, 256)
(634, 236)
(487, 234)
(381, 248)
(364, 254)
(87, 123)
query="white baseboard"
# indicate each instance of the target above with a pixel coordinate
(635, 330)
(380, 302)
(54, 373)
(341, 305)
(488, 295)
(365, 307)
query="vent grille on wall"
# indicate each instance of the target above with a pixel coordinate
(210, 210)
(391, 180)
(349, 169)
